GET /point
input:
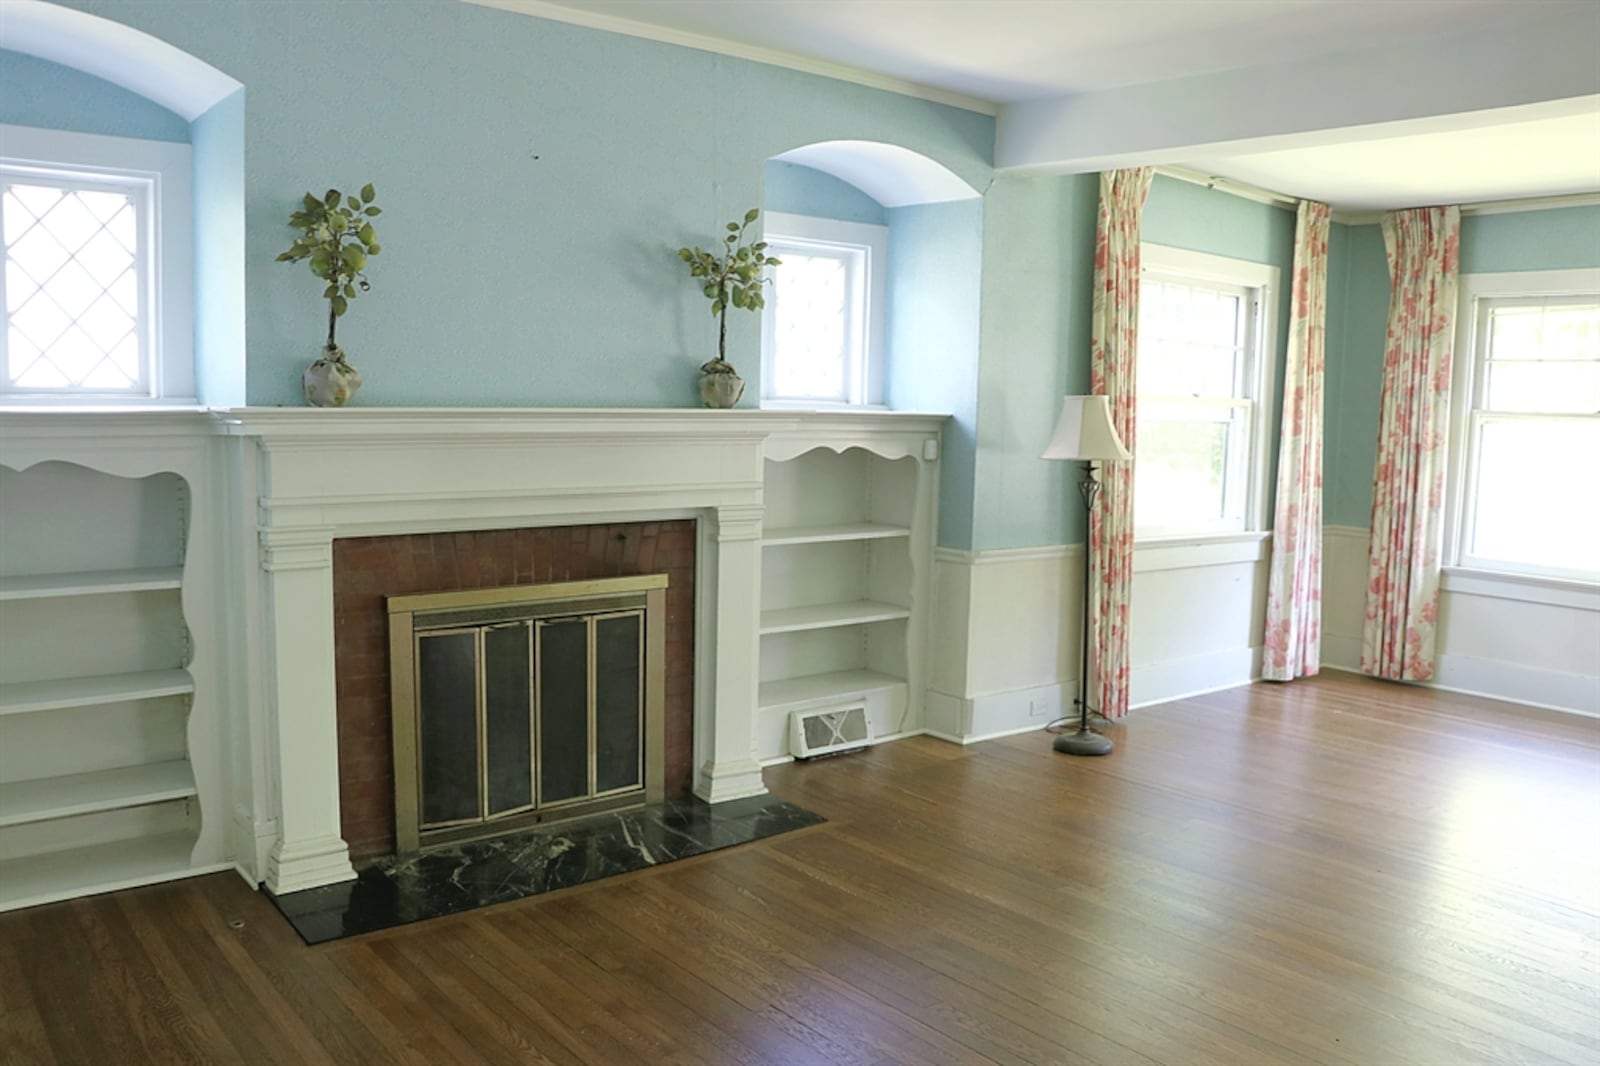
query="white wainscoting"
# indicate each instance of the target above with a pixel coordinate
(1530, 641)
(1006, 630)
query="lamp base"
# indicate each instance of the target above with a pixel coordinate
(1083, 742)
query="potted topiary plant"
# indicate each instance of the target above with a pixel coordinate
(336, 235)
(731, 279)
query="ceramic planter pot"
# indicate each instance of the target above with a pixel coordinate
(331, 381)
(720, 387)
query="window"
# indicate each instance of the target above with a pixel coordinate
(1528, 420)
(1203, 324)
(822, 333)
(96, 280)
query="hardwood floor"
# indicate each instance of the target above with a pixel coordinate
(1335, 871)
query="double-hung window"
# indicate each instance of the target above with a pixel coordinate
(1528, 416)
(822, 332)
(1203, 330)
(95, 286)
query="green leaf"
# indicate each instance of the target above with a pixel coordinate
(340, 306)
(331, 199)
(716, 308)
(374, 249)
(368, 193)
(330, 292)
(352, 204)
(373, 211)
(685, 255)
(286, 257)
(350, 291)
(733, 227)
(751, 215)
(311, 202)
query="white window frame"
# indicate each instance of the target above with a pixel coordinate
(1259, 282)
(1537, 583)
(865, 247)
(161, 173)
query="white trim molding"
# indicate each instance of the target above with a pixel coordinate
(774, 57)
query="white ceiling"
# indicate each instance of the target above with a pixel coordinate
(1000, 52)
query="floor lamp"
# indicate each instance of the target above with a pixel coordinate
(1084, 432)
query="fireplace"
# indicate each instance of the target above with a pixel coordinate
(525, 703)
(461, 490)
(371, 572)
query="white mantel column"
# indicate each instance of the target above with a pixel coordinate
(304, 726)
(730, 639)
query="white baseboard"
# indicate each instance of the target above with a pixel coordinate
(1195, 675)
(1497, 680)
(998, 714)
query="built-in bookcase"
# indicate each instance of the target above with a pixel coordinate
(846, 554)
(96, 786)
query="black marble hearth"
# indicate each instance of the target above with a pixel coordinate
(396, 891)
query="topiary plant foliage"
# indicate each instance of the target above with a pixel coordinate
(733, 278)
(336, 235)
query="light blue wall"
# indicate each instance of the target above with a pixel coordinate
(1038, 270)
(1561, 239)
(536, 180)
(800, 190)
(935, 270)
(219, 253)
(36, 92)
(1358, 310)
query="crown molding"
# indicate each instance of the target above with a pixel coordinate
(739, 50)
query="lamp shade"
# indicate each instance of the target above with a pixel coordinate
(1084, 431)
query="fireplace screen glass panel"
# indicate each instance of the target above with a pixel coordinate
(509, 731)
(619, 687)
(563, 710)
(448, 726)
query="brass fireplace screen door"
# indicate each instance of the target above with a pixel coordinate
(521, 704)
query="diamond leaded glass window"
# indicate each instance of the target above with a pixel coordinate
(76, 284)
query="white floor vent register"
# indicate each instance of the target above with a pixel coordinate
(829, 731)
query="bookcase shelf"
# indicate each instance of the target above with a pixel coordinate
(90, 583)
(846, 556)
(97, 790)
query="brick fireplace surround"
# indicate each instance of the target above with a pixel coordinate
(367, 569)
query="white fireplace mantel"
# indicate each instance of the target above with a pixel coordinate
(309, 476)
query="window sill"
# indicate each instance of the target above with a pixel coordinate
(1551, 592)
(1195, 550)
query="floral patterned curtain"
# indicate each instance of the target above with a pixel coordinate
(1111, 373)
(1397, 638)
(1294, 585)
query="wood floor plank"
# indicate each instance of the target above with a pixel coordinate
(1334, 872)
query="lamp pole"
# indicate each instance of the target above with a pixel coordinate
(1085, 741)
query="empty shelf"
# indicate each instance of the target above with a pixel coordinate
(24, 696)
(39, 800)
(89, 583)
(829, 615)
(35, 879)
(816, 688)
(829, 534)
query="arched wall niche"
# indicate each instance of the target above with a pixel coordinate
(935, 254)
(212, 103)
(120, 54)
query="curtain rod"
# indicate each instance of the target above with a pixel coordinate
(1365, 215)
